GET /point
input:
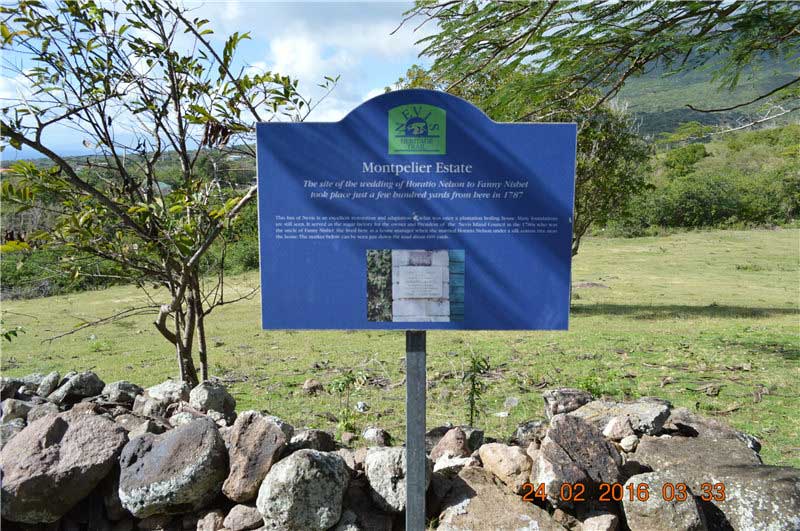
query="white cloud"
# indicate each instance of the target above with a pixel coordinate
(13, 88)
(374, 92)
(297, 53)
(333, 113)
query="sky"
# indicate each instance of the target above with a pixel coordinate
(304, 40)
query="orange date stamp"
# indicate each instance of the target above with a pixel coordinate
(577, 492)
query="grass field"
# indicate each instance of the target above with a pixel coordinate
(673, 317)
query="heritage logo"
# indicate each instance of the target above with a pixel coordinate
(417, 129)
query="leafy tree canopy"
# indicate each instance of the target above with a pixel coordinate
(139, 82)
(575, 47)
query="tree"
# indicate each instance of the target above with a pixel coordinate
(576, 47)
(139, 82)
(610, 153)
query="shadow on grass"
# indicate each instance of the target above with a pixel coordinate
(679, 311)
(787, 351)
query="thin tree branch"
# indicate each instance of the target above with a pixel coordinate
(758, 98)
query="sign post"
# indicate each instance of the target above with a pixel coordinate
(415, 211)
(416, 388)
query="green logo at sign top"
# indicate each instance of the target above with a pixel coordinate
(417, 129)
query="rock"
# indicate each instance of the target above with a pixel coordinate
(9, 387)
(362, 407)
(354, 459)
(303, 492)
(125, 524)
(54, 463)
(646, 415)
(756, 496)
(600, 522)
(27, 393)
(312, 387)
(66, 378)
(369, 518)
(139, 424)
(510, 464)
(629, 443)
(688, 424)
(89, 406)
(656, 513)
(661, 453)
(11, 409)
(8, 430)
(146, 406)
(189, 521)
(48, 384)
(254, 445)
(376, 436)
(386, 472)
(348, 522)
(148, 426)
(182, 417)
(574, 452)
(348, 437)
(109, 490)
(434, 435)
(533, 451)
(225, 432)
(77, 386)
(450, 466)
(175, 472)
(564, 400)
(477, 500)
(90, 514)
(170, 391)
(32, 380)
(242, 518)
(42, 410)
(211, 521)
(219, 418)
(319, 440)
(158, 522)
(122, 392)
(566, 519)
(453, 444)
(530, 431)
(474, 437)
(618, 428)
(212, 396)
(285, 427)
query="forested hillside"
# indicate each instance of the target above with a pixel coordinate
(659, 99)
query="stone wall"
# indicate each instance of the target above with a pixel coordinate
(81, 455)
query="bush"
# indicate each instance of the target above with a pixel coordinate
(681, 160)
(43, 272)
(745, 180)
(243, 255)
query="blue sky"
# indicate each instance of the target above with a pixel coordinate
(307, 41)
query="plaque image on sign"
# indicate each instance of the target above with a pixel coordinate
(405, 285)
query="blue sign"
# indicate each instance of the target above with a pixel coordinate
(415, 211)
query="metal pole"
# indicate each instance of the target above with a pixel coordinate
(415, 430)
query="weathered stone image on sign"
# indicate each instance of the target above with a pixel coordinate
(451, 210)
(421, 286)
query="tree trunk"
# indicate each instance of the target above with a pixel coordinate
(187, 370)
(201, 339)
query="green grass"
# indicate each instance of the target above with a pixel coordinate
(701, 307)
